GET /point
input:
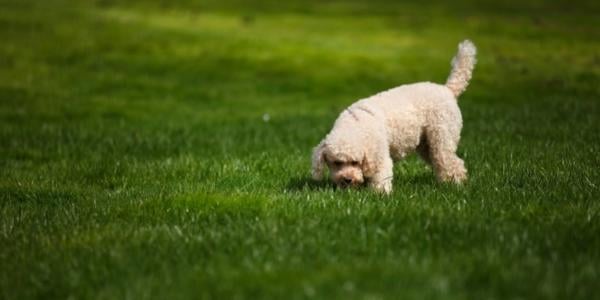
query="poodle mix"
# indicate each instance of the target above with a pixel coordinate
(372, 132)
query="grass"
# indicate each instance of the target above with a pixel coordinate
(135, 161)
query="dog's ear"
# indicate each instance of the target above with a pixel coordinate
(368, 166)
(318, 161)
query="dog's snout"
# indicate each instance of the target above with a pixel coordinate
(347, 181)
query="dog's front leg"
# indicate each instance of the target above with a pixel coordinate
(381, 181)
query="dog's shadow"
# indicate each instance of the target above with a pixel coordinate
(422, 179)
(307, 183)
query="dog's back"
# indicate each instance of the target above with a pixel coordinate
(409, 108)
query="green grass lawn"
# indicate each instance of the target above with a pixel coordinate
(135, 161)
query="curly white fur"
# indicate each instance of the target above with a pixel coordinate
(372, 132)
(462, 68)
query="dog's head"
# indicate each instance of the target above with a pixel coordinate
(346, 162)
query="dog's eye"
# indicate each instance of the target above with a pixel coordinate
(338, 163)
(354, 163)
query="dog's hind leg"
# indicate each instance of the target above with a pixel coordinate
(442, 144)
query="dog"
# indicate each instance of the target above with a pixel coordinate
(372, 133)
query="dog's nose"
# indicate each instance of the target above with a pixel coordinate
(347, 181)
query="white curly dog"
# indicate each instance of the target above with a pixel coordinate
(372, 132)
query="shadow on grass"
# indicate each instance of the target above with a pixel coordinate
(307, 183)
(422, 179)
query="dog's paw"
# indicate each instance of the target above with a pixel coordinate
(458, 176)
(383, 187)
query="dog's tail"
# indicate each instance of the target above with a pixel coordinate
(462, 68)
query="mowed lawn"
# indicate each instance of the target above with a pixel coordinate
(162, 150)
